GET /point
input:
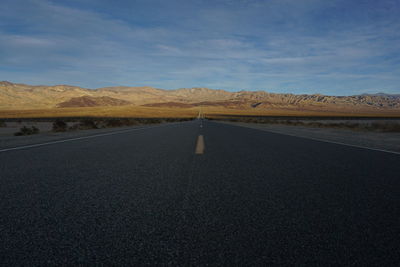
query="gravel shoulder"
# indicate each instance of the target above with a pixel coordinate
(7, 140)
(373, 140)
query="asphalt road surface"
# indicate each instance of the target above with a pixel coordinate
(157, 196)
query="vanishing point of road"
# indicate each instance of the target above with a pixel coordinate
(199, 193)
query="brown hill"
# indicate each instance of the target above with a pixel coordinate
(170, 105)
(226, 104)
(91, 101)
(22, 96)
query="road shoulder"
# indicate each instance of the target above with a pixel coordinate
(373, 140)
(9, 142)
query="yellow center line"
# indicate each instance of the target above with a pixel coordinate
(200, 145)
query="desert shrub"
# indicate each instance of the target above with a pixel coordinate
(107, 123)
(114, 123)
(85, 124)
(73, 127)
(156, 121)
(27, 131)
(318, 124)
(35, 130)
(59, 126)
(88, 124)
(353, 125)
(385, 126)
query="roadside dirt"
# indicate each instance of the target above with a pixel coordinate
(375, 140)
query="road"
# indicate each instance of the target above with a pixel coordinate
(155, 196)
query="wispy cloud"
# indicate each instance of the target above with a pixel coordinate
(332, 47)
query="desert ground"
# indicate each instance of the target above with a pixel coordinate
(155, 112)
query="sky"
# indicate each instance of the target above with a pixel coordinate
(333, 47)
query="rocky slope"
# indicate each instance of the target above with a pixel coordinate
(92, 101)
(22, 96)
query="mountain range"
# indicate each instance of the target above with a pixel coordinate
(15, 96)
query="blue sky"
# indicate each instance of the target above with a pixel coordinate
(336, 47)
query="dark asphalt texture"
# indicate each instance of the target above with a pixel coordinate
(253, 198)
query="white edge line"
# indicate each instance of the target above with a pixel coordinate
(79, 138)
(320, 140)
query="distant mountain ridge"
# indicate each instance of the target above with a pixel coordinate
(22, 96)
